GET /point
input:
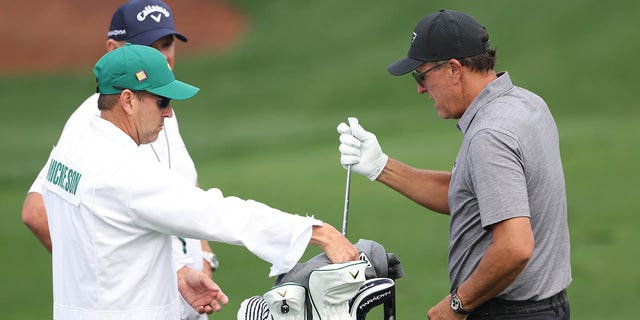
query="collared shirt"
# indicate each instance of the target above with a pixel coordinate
(111, 210)
(509, 166)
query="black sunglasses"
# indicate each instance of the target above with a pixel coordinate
(163, 102)
(419, 77)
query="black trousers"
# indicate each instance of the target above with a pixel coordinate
(553, 308)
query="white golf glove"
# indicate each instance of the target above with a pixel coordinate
(360, 149)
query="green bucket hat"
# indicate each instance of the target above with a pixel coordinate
(138, 68)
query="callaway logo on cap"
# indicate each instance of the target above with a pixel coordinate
(143, 22)
(149, 10)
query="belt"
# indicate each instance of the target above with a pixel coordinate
(497, 306)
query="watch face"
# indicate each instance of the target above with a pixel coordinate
(455, 303)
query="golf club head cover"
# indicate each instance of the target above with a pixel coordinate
(332, 286)
(254, 308)
(395, 270)
(287, 301)
(371, 294)
(377, 258)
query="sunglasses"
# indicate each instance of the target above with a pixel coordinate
(163, 102)
(419, 77)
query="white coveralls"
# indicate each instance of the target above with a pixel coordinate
(170, 150)
(111, 209)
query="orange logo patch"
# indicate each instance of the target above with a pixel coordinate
(141, 75)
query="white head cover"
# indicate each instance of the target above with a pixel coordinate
(332, 286)
(287, 301)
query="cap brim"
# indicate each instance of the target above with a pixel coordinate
(404, 66)
(176, 90)
(149, 37)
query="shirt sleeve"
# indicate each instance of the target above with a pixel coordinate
(36, 186)
(78, 120)
(498, 176)
(163, 201)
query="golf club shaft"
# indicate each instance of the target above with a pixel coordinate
(345, 216)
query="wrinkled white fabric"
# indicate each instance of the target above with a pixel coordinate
(111, 211)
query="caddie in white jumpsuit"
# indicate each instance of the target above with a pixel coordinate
(111, 208)
(169, 148)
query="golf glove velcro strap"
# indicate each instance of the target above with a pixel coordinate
(360, 149)
(287, 301)
(332, 286)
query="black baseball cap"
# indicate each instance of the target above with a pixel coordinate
(143, 22)
(443, 35)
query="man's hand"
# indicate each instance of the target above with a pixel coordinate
(334, 244)
(360, 149)
(200, 291)
(443, 311)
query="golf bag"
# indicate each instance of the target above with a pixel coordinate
(381, 270)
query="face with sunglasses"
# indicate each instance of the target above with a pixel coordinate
(147, 118)
(420, 77)
(441, 88)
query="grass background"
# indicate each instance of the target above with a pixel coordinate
(263, 127)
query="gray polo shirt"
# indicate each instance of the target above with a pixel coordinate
(509, 166)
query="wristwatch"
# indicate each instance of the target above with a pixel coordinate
(211, 259)
(456, 304)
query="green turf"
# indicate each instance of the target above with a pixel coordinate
(263, 127)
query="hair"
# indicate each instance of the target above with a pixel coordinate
(482, 62)
(107, 101)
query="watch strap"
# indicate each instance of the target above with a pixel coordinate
(211, 259)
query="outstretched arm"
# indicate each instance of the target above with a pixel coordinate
(360, 150)
(428, 188)
(333, 243)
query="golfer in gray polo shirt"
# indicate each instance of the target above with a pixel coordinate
(509, 253)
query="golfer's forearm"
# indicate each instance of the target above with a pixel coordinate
(428, 188)
(501, 264)
(487, 282)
